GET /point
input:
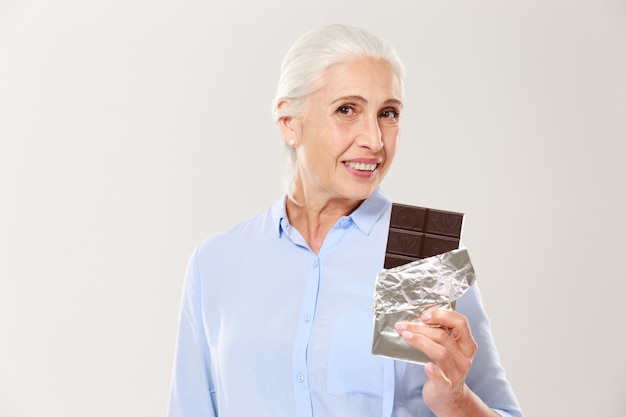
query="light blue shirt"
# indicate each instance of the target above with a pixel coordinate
(268, 328)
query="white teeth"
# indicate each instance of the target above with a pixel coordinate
(361, 166)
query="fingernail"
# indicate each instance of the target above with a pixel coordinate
(407, 335)
(400, 326)
(429, 368)
(425, 317)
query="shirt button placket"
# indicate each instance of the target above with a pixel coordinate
(303, 401)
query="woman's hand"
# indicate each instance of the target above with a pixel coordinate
(446, 338)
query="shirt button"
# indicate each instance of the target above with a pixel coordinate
(307, 318)
(300, 378)
(316, 263)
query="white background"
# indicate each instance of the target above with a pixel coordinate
(130, 130)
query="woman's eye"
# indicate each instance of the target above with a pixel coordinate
(389, 114)
(346, 110)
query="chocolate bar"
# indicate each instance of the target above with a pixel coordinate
(406, 292)
(419, 232)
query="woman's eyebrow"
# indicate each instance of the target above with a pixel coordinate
(364, 100)
(349, 98)
(393, 101)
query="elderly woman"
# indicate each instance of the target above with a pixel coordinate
(276, 312)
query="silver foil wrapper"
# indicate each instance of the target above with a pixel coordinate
(403, 293)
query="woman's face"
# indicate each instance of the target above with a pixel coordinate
(347, 136)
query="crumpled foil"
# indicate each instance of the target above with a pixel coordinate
(403, 293)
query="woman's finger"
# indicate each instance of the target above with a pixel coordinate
(458, 328)
(439, 346)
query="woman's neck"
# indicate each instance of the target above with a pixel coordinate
(314, 218)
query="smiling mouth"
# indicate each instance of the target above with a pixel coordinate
(361, 166)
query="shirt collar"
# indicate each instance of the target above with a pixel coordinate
(279, 215)
(364, 217)
(370, 211)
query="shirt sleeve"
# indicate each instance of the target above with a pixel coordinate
(487, 377)
(191, 390)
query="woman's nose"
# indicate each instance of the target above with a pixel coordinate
(370, 135)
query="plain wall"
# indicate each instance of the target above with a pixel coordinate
(130, 130)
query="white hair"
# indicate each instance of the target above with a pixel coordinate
(325, 46)
(304, 65)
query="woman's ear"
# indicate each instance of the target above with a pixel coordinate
(287, 125)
